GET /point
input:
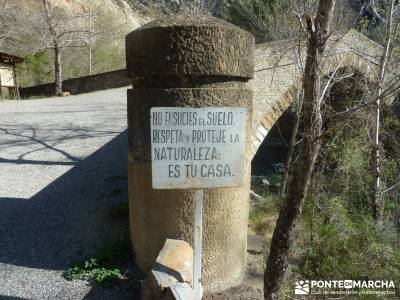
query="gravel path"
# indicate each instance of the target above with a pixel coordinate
(62, 167)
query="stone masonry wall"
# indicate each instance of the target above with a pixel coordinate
(278, 67)
(102, 81)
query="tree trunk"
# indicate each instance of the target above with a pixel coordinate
(90, 41)
(57, 70)
(56, 47)
(376, 201)
(282, 237)
(288, 162)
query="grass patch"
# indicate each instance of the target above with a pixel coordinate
(92, 270)
(102, 269)
(263, 215)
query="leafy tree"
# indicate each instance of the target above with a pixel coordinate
(36, 69)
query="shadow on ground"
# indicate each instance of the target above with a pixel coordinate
(70, 218)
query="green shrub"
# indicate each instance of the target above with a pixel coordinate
(336, 237)
(91, 270)
(101, 269)
(347, 245)
(263, 215)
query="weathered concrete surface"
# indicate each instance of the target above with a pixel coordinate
(221, 49)
(251, 287)
(208, 64)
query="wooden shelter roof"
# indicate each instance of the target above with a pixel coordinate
(9, 58)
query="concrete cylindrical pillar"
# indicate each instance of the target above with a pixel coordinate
(195, 62)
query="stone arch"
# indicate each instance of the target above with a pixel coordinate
(277, 75)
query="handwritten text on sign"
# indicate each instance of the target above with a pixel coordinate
(197, 147)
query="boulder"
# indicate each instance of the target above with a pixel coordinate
(176, 259)
(64, 94)
(265, 182)
(171, 277)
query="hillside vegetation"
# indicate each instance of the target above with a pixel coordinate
(97, 47)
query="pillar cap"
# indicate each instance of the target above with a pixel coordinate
(182, 45)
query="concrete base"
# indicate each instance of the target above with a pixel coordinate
(159, 214)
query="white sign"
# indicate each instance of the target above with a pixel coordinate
(6, 75)
(197, 147)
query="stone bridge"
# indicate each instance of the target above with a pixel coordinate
(278, 68)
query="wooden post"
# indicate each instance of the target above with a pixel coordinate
(1, 89)
(16, 89)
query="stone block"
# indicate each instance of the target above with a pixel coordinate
(175, 259)
(172, 274)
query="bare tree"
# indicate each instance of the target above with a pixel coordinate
(317, 28)
(391, 27)
(43, 25)
(11, 32)
(90, 17)
(107, 28)
(60, 29)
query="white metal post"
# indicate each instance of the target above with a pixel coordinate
(198, 236)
